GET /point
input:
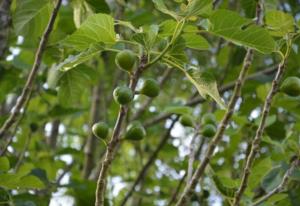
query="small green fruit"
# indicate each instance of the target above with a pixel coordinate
(186, 120)
(135, 131)
(291, 86)
(100, 130)
(150, 88)
(123, 95)
(125, 60)
(208, 118)
(209, 130)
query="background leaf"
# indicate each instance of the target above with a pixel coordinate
(98, 28)
(231, 26)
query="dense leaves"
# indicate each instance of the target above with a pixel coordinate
(155, 121)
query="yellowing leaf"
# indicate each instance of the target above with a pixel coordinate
(205, 84)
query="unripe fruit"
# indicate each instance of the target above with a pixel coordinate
(209, 130)
(125, 60)
(135, 131)
(123, 95)
(100, 130)
(208, 118)
(186, 120)
(150, 88)
(291, 86)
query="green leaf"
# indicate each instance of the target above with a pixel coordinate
(178, 110)
(15, 181)
(279, 23)
(98, 28)
(53, 77)
(148, 37)
(99, 6)
(195, 41)
(72, 86)
(160, 5)
(231, 26)
(205, 84)
(258, 171)
(226, 190)
(198, 7)
(4, 164)
(31, 17)
(74, 60)
(272, 179)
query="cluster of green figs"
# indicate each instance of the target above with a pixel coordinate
(123, 95)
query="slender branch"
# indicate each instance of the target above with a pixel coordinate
(257, 139)
(91, 142)
(281, 186)
(29, 83)
(150, 161)
(192, 154)
(52, 140)
(196, 155)
(114, 142)
(198, 99)
(188, 191)
(177, 190)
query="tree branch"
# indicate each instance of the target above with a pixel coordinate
(196, 155)
(184, 199)
(255, 143)
(281, 186)
(25, 95)
(113, 144)
(150, 161)
(91, 141)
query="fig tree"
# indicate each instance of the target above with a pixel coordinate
(135, 131)
(150, 88)
(291, 86)
(100, 130)
(123, 95)
(125, 60)
(186, 120)
(209, 130)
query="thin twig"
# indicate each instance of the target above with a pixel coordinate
(281, 186)
(188, 191)
(90, 146)
(177, 190)
(150, 161)
(28, 86)
(255, 143)
(192, 154)
(113, 144)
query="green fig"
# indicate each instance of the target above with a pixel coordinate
(291, 86)
(135, 131)
(186, 120)
(125, 60)
(123, 95)
(208, 118)
(209, 130)
(100, 130)
(150, 88)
